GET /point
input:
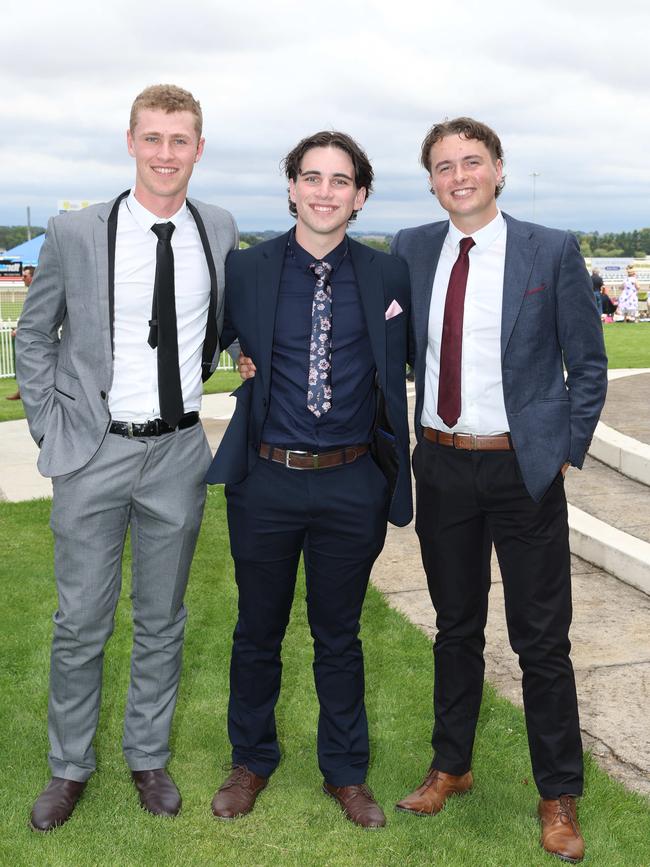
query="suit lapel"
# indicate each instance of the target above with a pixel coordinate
(208, 239)
(268, 273)
(104, 234)
(521, 250)
(371, 289)
(422, 276)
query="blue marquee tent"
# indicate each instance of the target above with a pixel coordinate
(27, 252)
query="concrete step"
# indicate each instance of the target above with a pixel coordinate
(609, 512)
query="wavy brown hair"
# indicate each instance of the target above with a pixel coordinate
(469, 129)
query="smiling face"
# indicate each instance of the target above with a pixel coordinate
(464, 177)
(166, 147)
(325, 196)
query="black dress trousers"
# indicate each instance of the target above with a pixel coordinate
(465, 501)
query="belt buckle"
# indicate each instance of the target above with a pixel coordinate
(129, 429)
(473, 441)
(287, 457)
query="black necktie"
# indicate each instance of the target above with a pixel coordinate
(162, 328)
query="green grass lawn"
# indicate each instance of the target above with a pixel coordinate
(293, 823)
(627, 344)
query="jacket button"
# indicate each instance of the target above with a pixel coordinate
(102, 394)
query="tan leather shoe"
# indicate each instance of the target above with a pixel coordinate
(358, 804)
(158, 792)
(238, 794)
(430, 797)
(55, 804)
(560, 830)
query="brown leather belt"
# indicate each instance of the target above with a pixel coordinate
(296, 460)
(470, 442)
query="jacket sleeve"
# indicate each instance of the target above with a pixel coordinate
(37, 335)
(581, 338)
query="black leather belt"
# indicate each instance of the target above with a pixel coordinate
(152, 428)
(297, 460)
(470, 442)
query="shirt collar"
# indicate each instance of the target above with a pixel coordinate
(145, 219)
(483, 238)
(305, 259)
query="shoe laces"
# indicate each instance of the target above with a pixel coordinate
(241, 776)
(431, 778)
(564, 812)
(361, 789)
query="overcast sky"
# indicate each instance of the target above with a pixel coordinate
(565, 83)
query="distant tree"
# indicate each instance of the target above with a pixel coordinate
(11, 236)
(376, 243)
(250, 238)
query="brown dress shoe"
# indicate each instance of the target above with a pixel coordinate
(358, 804)
(430, 797)
(55, 804)
(15, 396)
(158, 792)
(238, 794)
(560, 830)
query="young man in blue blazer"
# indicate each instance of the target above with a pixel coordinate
(500, 308)
(324, 320)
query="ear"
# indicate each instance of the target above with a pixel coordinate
(499, 167)
(129, 142)
(292, 190)
(199, 150)
(432, 189)
(360, 198)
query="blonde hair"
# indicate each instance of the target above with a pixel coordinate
(168, 98)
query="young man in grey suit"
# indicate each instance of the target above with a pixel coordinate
(119, 328)
(499, 308)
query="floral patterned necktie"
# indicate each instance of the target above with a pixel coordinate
(319, 393)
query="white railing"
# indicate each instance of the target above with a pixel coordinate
(225, 362)
(6, 352)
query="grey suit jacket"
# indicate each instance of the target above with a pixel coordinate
(548, 322)
(65, 380)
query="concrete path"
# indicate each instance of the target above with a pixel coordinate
(610, 526)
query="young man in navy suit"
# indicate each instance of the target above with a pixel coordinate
(324, 320)
(500, 308)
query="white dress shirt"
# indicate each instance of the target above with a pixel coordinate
(482, 408)
(134, 392)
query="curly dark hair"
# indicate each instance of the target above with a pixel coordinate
(363, 174)
(469, 129)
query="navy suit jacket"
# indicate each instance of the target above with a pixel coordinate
(548, 322)
(252, 286)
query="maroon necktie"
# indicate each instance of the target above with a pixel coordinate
(451, 348)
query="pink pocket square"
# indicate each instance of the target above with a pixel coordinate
(536, 289)
(393, 310)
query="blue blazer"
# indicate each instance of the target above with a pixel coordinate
(252, 286)
(548, 322)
